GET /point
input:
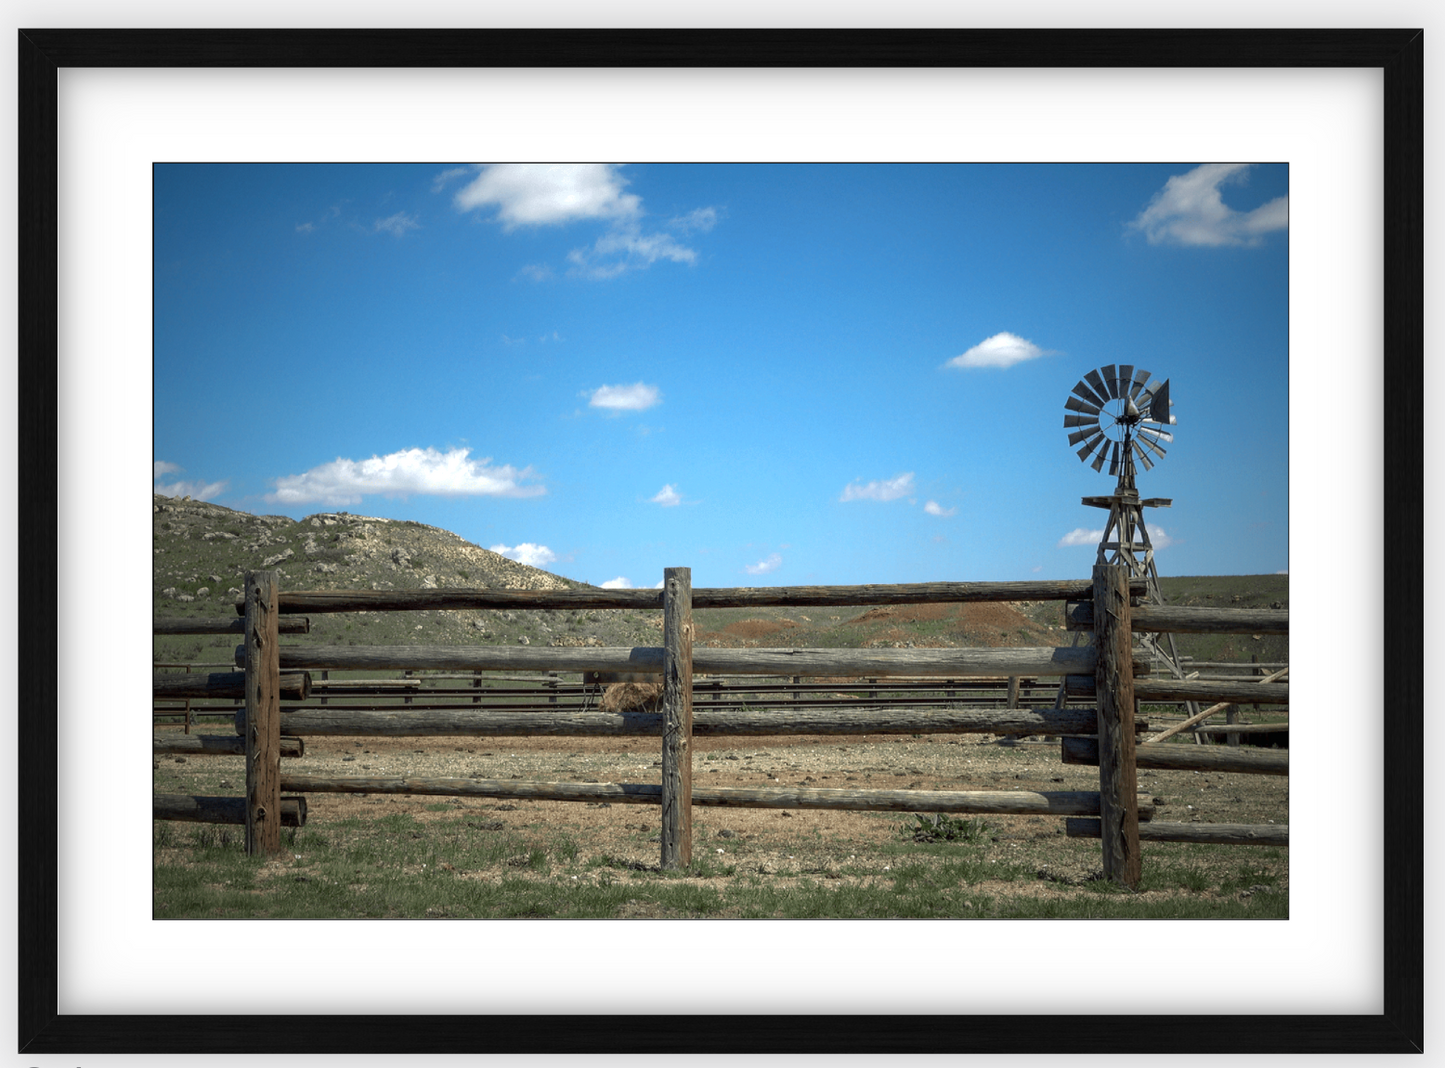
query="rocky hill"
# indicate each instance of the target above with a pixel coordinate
(202, 552)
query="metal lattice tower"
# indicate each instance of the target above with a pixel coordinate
(1116, 417)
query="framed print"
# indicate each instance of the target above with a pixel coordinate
(882, 987)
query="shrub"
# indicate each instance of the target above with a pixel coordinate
(938, 827)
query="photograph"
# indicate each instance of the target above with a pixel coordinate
(850, 404)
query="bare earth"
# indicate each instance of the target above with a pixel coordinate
(782, 845)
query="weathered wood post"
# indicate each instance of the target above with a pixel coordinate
(677, 717)
(263, 715)
(1114, 693)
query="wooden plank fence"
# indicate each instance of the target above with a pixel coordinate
(1105, 672)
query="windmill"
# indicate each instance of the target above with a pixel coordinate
(1118, 415)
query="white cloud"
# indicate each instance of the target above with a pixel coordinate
(668, 497)
(934, 508)
(762, 567)
(1001, 350)
(887, 490)
(536, 272)
(424, 471)
(637, 397)
(526, 553)
(619, 583)
(199, 491)
(542, 194)
(1079, 536)
(549, 194)
(397, 224)
(1190, 210)
(305, 228)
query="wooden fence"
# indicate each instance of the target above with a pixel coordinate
(1105, 672)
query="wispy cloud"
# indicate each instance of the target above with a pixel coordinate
(763, 567)
(668, 497)
(397, 224)
(934, 508)
(555, 194)
(442, 180)
(1190, 210)
(1000, 350)
(697, 221)
(627, 248)
(200, 491)
(398, 474)
(886, 490)
(637, 397)
(526, 553)
(311, 227)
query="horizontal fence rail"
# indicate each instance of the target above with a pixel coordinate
(1202, 833)
(1178, 619)
(853, 663)
(403, 723)
(322, 601)
(978, 802)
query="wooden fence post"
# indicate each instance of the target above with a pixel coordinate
(263, 715)
(677, 717)
(1114, 693)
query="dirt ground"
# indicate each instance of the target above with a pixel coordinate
(780, 843)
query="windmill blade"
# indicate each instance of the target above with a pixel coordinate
(1143, 456)
(1080, 420)
(1073, 404)
(1126, 372)
(1140, 377)
(1098, 463)
(1114, 460)
(1111, 380)
(1089, 447)
(1146, 443)
(1156, 435)
(1098, 384)
(1088, 394)
(1079, 435)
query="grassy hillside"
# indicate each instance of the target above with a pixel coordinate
(203, 551)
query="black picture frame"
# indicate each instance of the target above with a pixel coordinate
(1399, 1028)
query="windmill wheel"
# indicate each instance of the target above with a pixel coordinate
(1116, 412)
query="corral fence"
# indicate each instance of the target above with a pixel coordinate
(1105, 674)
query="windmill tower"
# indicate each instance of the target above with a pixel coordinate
(1117, 416)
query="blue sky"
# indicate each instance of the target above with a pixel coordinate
(774, 375)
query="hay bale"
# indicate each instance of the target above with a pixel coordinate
(632, 697)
